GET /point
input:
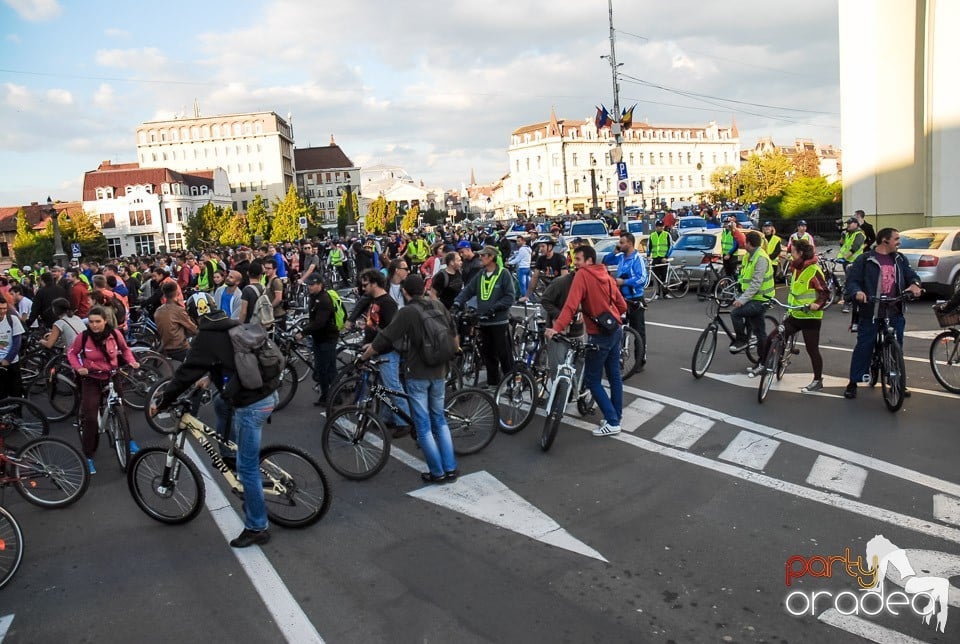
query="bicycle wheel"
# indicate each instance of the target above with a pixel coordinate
(945, 360)
(770, 323)
(295, 489)
(169, 495)
(472, 418)
(704, 351)
(680, 285)
(118, 428)
(19, 414)
(516, 399)
(774, 353)
(725, 291)
(288, 388)
(11, 546)
(137, 383)
(786, 356)
(346, 392)
(893, 375)
(470, 367)
(632, 350)
(355, 443)
(145, 336)
(552, 422)
(50, 472)
(63, 392)
(164, 422)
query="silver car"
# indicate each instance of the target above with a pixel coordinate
(691, 247)
(935, 254)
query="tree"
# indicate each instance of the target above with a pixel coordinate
(807, 164)
(390, 221)
(258, 220)
(236, 231)
(724, 181)
(79, 228)
(410, 219)
(26, 243)
(376, 221)
(764, 176)
(202, 230)
(811, 197)
(286, 217)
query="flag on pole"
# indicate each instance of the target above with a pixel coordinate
(627, 119)
(603, 117)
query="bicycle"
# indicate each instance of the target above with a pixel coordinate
(706, 346)
(715, 285)
(780, 351)
(357, 445)
(676, 281)
(24, 416)
(945, 350)
(470, 361)
(11, 546)
(835, 280)
(633, 348)
(569, 378)
(45, 471)
(886, 362)
(168, 487)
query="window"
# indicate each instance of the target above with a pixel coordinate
(246, 128)
(258, 129)
(528, 164)
(194, 191)
(177, 188)
(168, 215)
(216, 131)
(671, 158)
(205, 131)
(236, 132)
(244, 205)
(689, 157)
(631, 158)
(114, 248)
(165, 188)
(175, 241)
(153, 137)
(148, 188)
(203, 190)
(142, 137)
(173, 134)
(140, 218)
(576, 185)
(573, 159)
(653, 159)
(179, 214)
(100, 193)
(144, 244)
(163, 136)
(107, 220)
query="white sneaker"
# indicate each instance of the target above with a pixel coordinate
(816, 385)
(606, 429)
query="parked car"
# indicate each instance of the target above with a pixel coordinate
(743, 219)
(589, 229)
(607, 250)
(935, 254)
(690, 224)
(690, 248)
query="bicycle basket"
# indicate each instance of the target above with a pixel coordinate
(948, 318)
(713, 307)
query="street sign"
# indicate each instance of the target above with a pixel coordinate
(638, 187)
(303, 223)
(621, 170)
(623, 188)
(75, 250)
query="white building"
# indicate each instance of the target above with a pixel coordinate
(323, 175)
(551, 163)
(900, 111)
(142, 210)
(255, 149)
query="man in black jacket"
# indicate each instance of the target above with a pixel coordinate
(241, 413)
(322, 328)
(49, 291)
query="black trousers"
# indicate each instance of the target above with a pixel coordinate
(636, 317)
(11, 383)
(660, 270)
(496, 352)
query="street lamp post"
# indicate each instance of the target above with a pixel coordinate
(59, 257)
(593, 187)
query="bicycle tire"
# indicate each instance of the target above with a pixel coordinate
(288, 388)
(586, 405)
(551, 424)
(681, 287)
(774, 353)
(120, 436)
(171, 502)
(55, 472)
(23, 416)
(704, 351)
(516, 399)
(352, 457)
(11, 546)
(770, 323)
(725, 291)
(63, 394)
(470, 367)
(293, 480)
(632, 350)
(136, 383)
(472, 419)
(945, 360)
(893, 376)
(786, 356)
(346, 392)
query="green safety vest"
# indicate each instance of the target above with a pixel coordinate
(848, 239)
(768, 288)
(771, 243)
(659, 242)
(726, 242)
(802, 295)
(336, 256)
(418, 251)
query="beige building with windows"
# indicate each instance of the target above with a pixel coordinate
(255, 150)
(323, 175)
(551, 164)
(900, 111)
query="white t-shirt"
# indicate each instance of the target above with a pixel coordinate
(6, 336)
(70, 327)
(26, 304)
(397, 294)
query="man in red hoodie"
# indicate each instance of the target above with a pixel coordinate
(596, 292)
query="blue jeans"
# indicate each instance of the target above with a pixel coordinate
(523, 277)
(866, 334)
(324, 365)
(390, 377)
(430, 421)
(606, 358)
(247, 424)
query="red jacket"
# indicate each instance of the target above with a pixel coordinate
(90, 356)
(80, 298)
(593, 288)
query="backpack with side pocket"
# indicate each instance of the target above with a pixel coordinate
(262, 307)
(258, 359)
(438, 342)
(339, 310)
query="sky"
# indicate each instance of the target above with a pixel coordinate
(434, 87)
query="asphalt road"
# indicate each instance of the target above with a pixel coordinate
(678, 530)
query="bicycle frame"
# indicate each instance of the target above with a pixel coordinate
(567, 370)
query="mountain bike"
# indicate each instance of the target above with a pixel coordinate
(715, 285)
(676, 281)
(886, 362)
(706, 346)
(112, 419)
(780, 351)
(569, 379)
(45, 471)
(169, 488)
(633, 348)
(357, 445)
(945, 350)
(11, 546)
(24, 417)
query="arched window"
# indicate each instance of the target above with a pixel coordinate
(203, 190)
(148, 189)
(258, 128)
(216, 131)
(246, 128)
(236, 129)
(205, 131)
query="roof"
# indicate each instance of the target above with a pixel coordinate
(131, 174)
(35, 213)
(321, 158)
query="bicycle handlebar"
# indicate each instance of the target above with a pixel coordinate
(789, 307)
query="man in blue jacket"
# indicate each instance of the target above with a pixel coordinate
(631, 278)
(882, 271)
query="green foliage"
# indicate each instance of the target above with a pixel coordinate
(235, 232)
(342, 222)
(286, 217)
(724, 180)
(809, 197)
(410, 219)
(258, 219)
(807, 164)
(30, 246)
(433, 217)
(390, 221)
(203, 229)
(376, 221)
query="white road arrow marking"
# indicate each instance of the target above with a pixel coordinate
(5, 622)
(481, 496)
(866, 629)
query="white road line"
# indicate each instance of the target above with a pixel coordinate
(749, 450)
(946, 509)
(864, 628)
(686, 430)
(290, 618)
(810, 494)
(839, 476)
(868, 462)
(5, 622)
(638, 412)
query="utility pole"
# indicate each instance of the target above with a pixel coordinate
(616, 128)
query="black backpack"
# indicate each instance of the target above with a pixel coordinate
(438, 342)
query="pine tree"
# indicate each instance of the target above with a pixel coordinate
(410, 219)
(258, 221)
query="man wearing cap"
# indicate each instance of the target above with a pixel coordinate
(550, 265)
(772, 246)
(801, 233)
(731, 242)
(322, 328)
(852, 243)
(471, 261)
(658, 247)
(493, 288)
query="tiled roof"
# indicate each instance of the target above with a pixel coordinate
(35, 214)
(322, 158)
(130, 174)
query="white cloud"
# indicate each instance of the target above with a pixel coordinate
(60, 96)
(17, 96)
(104, 96)
(142, 59)
(113, 32)
(14, 38)
(35, 10)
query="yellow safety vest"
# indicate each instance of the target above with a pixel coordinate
(848, 238)
(771, 243)
(726, 241)
(659, 242)
(802, 295)
(767, 288)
